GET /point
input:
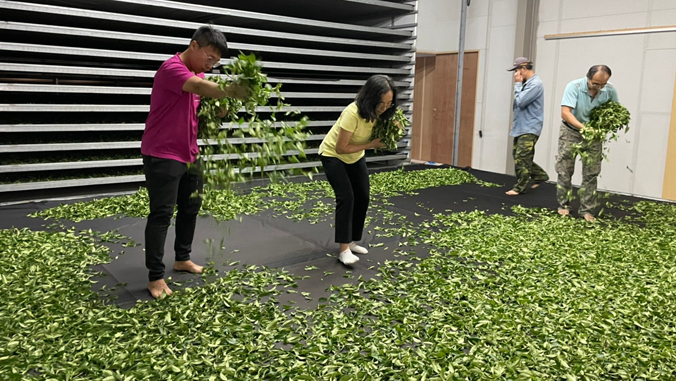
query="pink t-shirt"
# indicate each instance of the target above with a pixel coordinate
(171, 127)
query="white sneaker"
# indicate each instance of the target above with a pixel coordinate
(358, 249)
(348, 258)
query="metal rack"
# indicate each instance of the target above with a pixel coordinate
(82, 71)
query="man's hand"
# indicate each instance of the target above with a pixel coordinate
(238, 91)
(517, 77)
(222, 111)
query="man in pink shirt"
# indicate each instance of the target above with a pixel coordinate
(169, 148)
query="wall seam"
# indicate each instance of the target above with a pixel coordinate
(485, 83)
(553, 104)
(637, 134)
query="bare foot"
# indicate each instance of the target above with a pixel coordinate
(564, 212)
(158, 287)
(512, 193)
(589, 218)
(188, 266)
(534, 185)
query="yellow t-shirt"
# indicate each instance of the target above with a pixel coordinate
(349, 121)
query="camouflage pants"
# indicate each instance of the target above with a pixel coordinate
(592, 154)
(526, 170)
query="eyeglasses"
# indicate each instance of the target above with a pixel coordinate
(385, 104)
(210, 60)
(597, 85)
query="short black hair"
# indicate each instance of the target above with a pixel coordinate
(208, 36)
(370, 96)
(528, 66)
(595, 69)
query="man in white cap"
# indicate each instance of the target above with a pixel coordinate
(528, 106)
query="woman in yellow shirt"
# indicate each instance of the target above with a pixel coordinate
(342, 155)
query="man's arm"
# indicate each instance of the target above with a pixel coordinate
(613, 95)
(203, 88)
(568, 103)
(567, 115)
(527, 94)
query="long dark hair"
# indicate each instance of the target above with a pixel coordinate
(370, 95)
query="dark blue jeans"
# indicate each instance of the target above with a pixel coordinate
(170, 183)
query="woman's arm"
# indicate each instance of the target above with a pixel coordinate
(343, 145)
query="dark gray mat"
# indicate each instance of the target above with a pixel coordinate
(267, 239)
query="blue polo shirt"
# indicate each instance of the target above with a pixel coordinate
(577, 96)
(528, 107)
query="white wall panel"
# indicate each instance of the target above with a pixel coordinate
(623, 54)
(663, 4)
(497, 98)
(477, 152)
(447, 36)
(547, 27)
(657, 89)
(617, 172)
(546, 69)
(446, 10)
(587, 8)
(589, 24)
(480, 82)
(427, 25)
(550, 10)
(665, 17)
(651, 154)
(476, 33)
(644, 70)
(491, 29)
(477, 8)
(504, 12)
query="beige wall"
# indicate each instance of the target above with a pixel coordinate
(643, 67)
(669, 189)
(491, 29)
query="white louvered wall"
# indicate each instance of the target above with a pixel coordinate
(75, 75)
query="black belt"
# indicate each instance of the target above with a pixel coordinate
(569, 126)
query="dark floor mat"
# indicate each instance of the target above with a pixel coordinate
(302, 248)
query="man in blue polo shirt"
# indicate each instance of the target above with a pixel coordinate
(579, 98)
(528, 106)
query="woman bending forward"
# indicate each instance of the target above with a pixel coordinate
(342, 155)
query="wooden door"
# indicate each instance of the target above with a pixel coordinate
(434, 108)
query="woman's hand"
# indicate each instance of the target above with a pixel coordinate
(376, 143)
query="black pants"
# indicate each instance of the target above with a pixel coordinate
(170, 183)
(350, 182)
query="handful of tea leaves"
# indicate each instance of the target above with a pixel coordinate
(247, 144)
(606, 121)
(390, 131)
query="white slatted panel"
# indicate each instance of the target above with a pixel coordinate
(75, 75)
